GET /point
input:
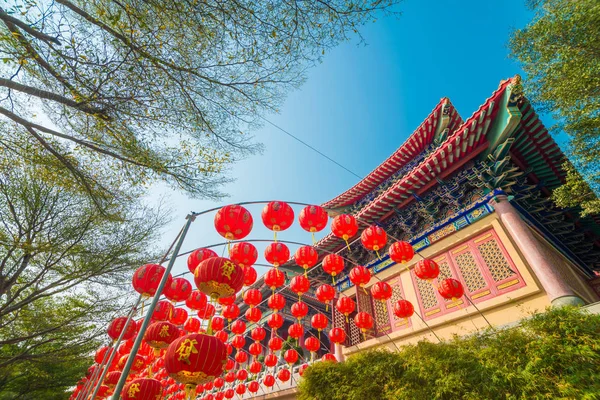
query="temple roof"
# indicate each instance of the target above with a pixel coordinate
(443, 116)
(468, 141)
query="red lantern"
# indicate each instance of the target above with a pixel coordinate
(233, 222)
(221, 335)
(274, 278)
(229, 364)
(197, 256)
(360, 276)
(329, 358)
(163, 311)
(244, 254)
(241, 375)
(363, 321)
(275, 343)
(313, 218)
(296, 331)
(179, 316)
(196, 301)
(217, 323)
(333, 265)
(269, 380)
(306, 257)
(290, 356)
(231, 312)
(101, 354)
(238, 327)
(276, 302)
(139, 363)
(319, 322)
(238, 341)
(451, 289)
(299, 285)
(258, 334)
(312, 344)
(345, 305)
(381, 291)
(275, 321)
(255, 349)
(160, 335)
(142, 389)
(112, 378)
(179, 290)
(271, 360)
(252, 297)
(302, 368)
(255, 367)
(277, 254)
(374, 238)
(219, 383)
(284, 375)
(147, 278)
(253, 386)
(241, 388)
(427, 269)
(117, 325)
(227, 301)
(250, 276)
(241, 357)
(299, 310)
(344, 226)
(337, 335)
(192, 325)
(325, 293)
(219, 277)
(403, 309)
(277, 216)
(253, 314)
(207, 312)
(229, 393)
(401, 252)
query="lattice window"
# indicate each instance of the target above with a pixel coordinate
(427, 293)
(355, 335)
(364, 303)
(445, 271)
(382, 318)
(482, 265)
(495, 260)
(470, 272)
(397, 294)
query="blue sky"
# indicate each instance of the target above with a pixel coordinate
(362, 102)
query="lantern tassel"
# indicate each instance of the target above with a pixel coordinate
(306, 272)
(190, 391)
(347, 244)
(313, 239)
(275, 236)
(150, 371)
(377, 253)
(333, 279)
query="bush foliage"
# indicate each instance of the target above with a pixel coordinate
(555, 355)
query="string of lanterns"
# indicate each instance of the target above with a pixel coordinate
(180, 357)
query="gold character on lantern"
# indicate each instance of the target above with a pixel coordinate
(185, 349)
(133, 389)
(164, 331)
(227, 269)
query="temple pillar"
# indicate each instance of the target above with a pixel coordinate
(537, 256)
(338, 352)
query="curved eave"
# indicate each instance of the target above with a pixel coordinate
(422, 137)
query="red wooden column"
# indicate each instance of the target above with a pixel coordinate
(542, 262)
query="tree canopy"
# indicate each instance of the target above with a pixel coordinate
(156, 90)
(550, 356)
(65, 271)
(560, 53)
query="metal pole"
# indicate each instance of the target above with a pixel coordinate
(138, 340)
(115, 347)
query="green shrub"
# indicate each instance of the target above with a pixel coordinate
(555, 355)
